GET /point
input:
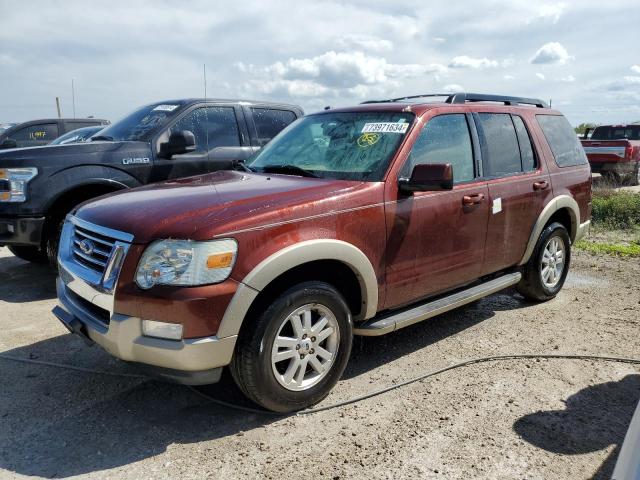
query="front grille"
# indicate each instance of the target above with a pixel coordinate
(93, 311)
(91, 249)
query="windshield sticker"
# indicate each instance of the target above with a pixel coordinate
(367, 140)
(385, 127)
(165, 108)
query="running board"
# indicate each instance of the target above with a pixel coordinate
(395, 321)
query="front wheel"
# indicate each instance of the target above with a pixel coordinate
(544, 274)
(30, 254)
(297, 349)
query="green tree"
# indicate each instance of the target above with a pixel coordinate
(580, 129)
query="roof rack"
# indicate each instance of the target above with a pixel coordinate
(470, 97)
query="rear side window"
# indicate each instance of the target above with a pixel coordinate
(270, 122)
(502, 148)
(526, 147)
(629, 132)
(444, 139)
(564, 144)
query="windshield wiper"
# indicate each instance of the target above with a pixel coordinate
(97, 138)
(240, 165)
(295, 170)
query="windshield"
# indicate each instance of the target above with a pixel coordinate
(343, 146)
(629, 132)
(137, 125)
(76, 136)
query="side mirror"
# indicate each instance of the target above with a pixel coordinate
(9, 143)
(428, 177)
(180, 142)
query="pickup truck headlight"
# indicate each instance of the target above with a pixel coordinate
(13, 183)
(186, 263)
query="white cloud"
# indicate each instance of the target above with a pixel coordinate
(635, 69)
(363, 42)
(439, 40)
(628, 81)
(540, 76)
(552, 12)
(453, 88)
(551, 53)
(464, 61)
(333, 73)
(567, 78)
(509, 77)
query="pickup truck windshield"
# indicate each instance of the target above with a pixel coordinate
(343, 146)
(629, 132)
(137, 125)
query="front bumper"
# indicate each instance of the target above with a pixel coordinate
(21, 231)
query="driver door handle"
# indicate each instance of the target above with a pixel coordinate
(473, 199)
(542, 185)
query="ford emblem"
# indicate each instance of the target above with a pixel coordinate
(86, 246)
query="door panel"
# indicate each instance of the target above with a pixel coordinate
(434, 242)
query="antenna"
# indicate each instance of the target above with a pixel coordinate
(206, 108)
(58, 107)
(73, 98)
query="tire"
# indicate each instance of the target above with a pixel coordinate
(52, 241)
(30, 254)
(537, 283)
(265, 381)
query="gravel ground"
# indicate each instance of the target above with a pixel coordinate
(516, 419)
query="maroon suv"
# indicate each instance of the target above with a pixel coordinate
(357, 221)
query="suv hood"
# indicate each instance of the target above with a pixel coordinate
(220, 203)
(30, 156)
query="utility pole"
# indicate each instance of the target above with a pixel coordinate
(58, 107)
(73, 98)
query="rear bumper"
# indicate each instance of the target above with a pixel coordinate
(21, 231)
(195, 361)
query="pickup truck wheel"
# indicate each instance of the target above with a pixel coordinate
(52, 241)
(30, 254)
(544, 274)
(297, 349)
(635, 179)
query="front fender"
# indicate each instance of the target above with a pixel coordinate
(290, 257)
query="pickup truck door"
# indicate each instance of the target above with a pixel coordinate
(436, 240)
(221, 138)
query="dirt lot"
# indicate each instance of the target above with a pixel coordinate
(516, 419)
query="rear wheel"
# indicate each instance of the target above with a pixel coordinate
(544, 274)
(297, 349)
(30, 254)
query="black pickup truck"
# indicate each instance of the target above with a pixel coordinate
(165, 140)
(36, 133)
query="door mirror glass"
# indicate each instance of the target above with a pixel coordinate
(427, 177)
(183, 141)
(9, 143)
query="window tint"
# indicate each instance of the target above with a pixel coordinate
(564, 144)
(444, 139)
(212, 126)
(503, 151)
(270, 122)
(526, 148)
(617, 133)
(43, 133)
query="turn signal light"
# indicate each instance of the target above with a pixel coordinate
(220, 260)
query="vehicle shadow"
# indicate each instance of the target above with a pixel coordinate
(61, 423)
(25, 282)
(371, 352)
(594, 418)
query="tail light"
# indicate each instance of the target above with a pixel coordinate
(628, 152)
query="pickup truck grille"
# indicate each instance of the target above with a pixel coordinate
(91, 249)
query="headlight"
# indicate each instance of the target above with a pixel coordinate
(13, 183)
(184, 262)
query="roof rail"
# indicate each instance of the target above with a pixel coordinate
(470, 97)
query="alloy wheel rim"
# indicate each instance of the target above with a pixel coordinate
(305, 347)
(553, 261)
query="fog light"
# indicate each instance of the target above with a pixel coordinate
(169, 331)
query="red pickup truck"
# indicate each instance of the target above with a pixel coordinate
(614, 151)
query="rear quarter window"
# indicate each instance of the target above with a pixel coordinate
(562, 140)
(270, 122)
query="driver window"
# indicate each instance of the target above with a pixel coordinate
(444, 139)
(212, 126)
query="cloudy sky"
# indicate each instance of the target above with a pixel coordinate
(583, 55)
